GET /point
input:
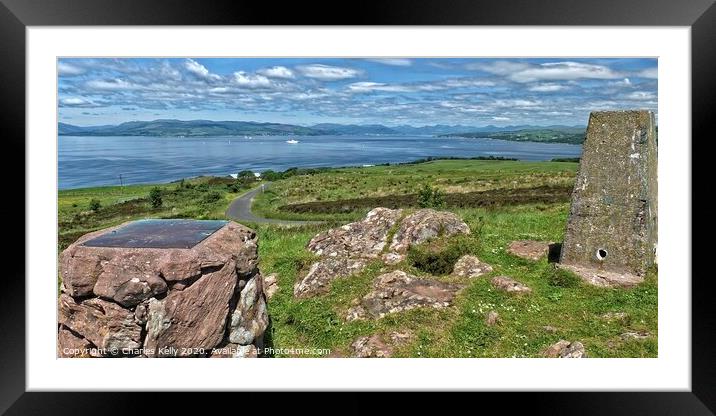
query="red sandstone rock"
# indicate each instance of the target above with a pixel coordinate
(105, 324)
(192, 318)
(398, 291)
(529, 249)
(109, 271)
(171, 301)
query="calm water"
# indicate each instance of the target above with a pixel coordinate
(95, 161)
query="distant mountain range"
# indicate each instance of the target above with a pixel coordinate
(209, 128)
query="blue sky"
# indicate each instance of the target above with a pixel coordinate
(389, 91)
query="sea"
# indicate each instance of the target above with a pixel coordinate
(100, 161)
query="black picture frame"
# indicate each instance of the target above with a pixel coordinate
(16, 15)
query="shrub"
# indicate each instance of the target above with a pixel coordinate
(270, 175)
(430, 197)
(211, 197)
(155, 197)
(94, 205)
(437, 259)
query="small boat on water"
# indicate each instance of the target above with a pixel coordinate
(292, 141)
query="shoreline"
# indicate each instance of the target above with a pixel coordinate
(318, 169)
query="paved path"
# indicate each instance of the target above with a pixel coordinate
(240, 210)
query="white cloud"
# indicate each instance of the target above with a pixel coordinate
(564, 71)
(517, 103)
(641, 96)
(199, 70)
(111, 85)
(377, 86)
(392, 61)
(277, 72)
(246, 80)
(652, 73)
(327, 72)
(219, 90)
(416, 87)
(76, 102)
(499, 67)
(522, 72)
(547, 87)
(497, 118)
(66, 69)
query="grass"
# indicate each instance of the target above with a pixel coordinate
(558, 300)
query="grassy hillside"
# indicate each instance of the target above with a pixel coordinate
(574, 310)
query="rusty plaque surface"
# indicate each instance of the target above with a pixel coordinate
(179, 233)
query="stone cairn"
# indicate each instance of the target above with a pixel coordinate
(149, 297)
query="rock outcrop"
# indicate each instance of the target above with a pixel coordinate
(492, 318)
(365, 238)
(604, 278)
(424, 225)
(565, 349)
(529, 249)
(377, 346)
(398, 291)
(347, 250)
(470, 266)
(270, 285)
(162, 302)
(509, 285)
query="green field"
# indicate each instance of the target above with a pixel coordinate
(558, 300)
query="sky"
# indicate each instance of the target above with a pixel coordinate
(389, 91)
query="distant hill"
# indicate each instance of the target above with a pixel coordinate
(548, 134)
(209, 128)
(192, 128)
(345, 129)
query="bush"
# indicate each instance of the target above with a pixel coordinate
(429, 197)
(155, 197)
(270, 175)
(94, 205)
(437, 260)
(211, 197)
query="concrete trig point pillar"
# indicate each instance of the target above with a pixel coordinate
(611, 234)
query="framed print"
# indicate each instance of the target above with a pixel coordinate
(413, 201)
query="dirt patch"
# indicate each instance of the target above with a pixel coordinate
(490, 198)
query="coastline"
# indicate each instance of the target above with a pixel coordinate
(317, 169)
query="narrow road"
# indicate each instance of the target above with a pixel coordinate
(240, 210)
